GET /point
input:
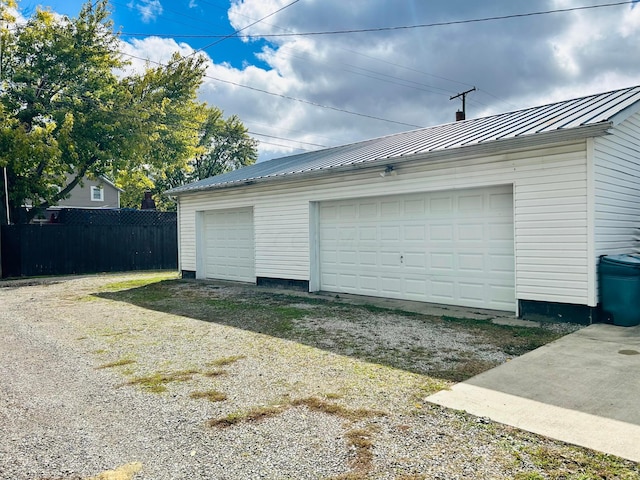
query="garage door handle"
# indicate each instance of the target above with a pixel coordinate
(401, 258)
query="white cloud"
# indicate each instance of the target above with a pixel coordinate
(148, 9)
(409, 75)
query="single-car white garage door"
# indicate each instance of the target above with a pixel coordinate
(228, 250)
(453, 247)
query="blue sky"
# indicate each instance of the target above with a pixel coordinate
(299, 93)
(176, 17)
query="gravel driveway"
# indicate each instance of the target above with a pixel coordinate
(93, 387)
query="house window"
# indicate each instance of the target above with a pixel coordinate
(97, 194)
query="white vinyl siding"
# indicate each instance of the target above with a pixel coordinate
(617, 188)
(549, 188)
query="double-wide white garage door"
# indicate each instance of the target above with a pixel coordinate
(228, 245)
(452, 247)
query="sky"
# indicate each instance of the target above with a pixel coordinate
(297, 90)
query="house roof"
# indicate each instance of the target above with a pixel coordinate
(601, 110)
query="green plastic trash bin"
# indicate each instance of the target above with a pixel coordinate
(619, 283)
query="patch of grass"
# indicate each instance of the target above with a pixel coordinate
(429, 387)
(312, 403)
(290, 313)
(211, 395)
(565, 462)
(387, 310)
(157, 382)
(464, 369)
(114, 334)
(117, 363)
(361, 441)
(513, 340)
(332, 396)
(318, 405)
(253, 415)
(224, 361)
(145, 291)
(139, 282)
(529, 476)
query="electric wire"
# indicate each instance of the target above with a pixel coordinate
(286, 139)
(235, 34)
(405, 27)
(288, 97)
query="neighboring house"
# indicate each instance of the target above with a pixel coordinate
(508, 212)
(100, 193)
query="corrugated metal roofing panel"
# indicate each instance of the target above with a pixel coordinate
(566, 115)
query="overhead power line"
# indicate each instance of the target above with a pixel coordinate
(400, 27)
(235, 34)
(288, 97)
(286, 139)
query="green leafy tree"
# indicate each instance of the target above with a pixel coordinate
(60, 101)
(219, 145)
(64, 114)
(224, 146)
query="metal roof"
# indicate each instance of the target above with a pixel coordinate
(599, 109)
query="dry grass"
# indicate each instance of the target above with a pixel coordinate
(318, 405)
(224, 361)
(253, 415)
(157, 382)
(117, 363)
(211, 395)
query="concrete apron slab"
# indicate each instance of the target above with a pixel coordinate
(582, 389)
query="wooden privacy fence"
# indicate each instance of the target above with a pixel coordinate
(58, 249)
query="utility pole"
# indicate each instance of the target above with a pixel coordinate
(461, 115)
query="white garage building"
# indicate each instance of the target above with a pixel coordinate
(508, 212)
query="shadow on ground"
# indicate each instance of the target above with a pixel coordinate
(448, 348)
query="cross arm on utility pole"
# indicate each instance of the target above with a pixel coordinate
(464, 98)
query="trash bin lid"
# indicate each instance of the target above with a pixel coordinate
(624, 259)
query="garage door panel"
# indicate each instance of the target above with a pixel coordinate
(448, 247)
(442, 290)
(369, 283)
(414, 286)
(415, 260)
(368, 234)
(229, 245)
(501, 263)
(440, 205)
(439, 233)
(500, 231)
(390, 285)
(471, 292)
(442, 261)
(390, 233)
(388, 208)
(470, 204)
(471, 262)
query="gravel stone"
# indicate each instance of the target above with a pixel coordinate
(62, 417)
